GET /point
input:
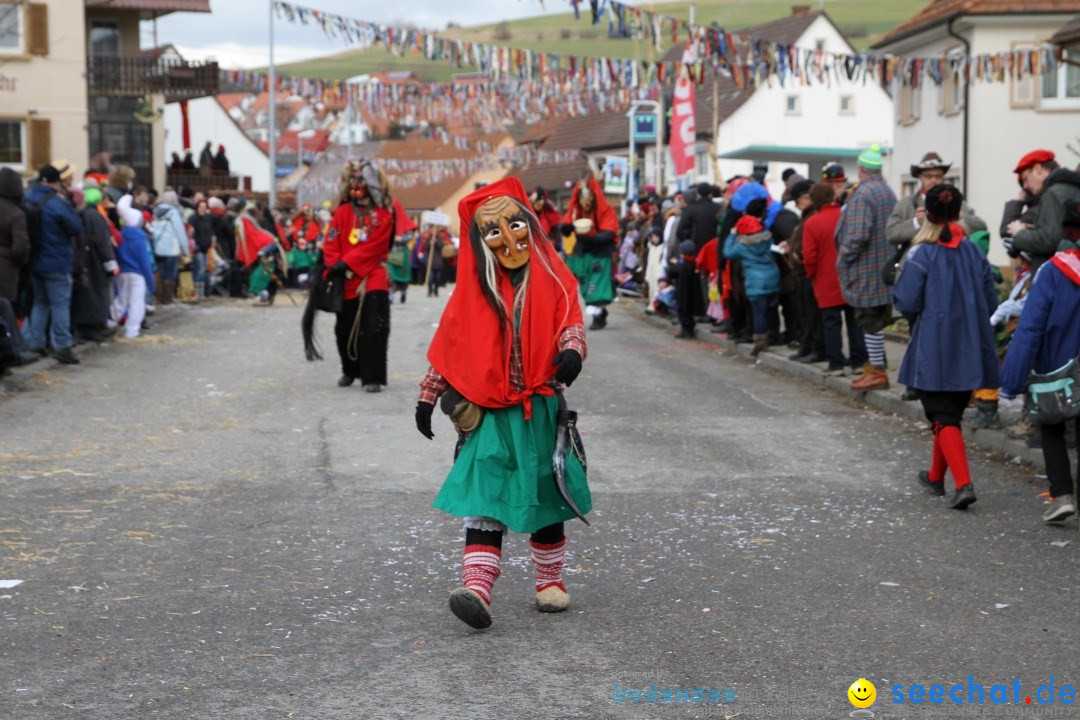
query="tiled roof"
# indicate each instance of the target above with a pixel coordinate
(153, 6)
(230, 100)
(423, 149)
(552, 176)
(426, 197)
(590, 132)
(938, 12)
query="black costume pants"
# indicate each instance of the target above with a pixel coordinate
(1056, 455)
(944, 408)
(369, 344)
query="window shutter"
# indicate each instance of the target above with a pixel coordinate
(40, 143)
(37, 29)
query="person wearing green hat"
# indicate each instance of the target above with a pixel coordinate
(863, 250)
(91, 298)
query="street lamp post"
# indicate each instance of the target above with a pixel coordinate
(273, 118)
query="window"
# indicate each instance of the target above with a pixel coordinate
(794, 105)
(12, 29)
(819, 44)
(105, 38)
(13, 144)
(847, 104)
(909, 105)
(1060, 86)
(952, 84)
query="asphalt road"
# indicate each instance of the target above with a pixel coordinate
(205, 526)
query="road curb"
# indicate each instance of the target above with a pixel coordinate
(22, 376)
(885, 400)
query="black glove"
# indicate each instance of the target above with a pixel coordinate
(339, 268)
(566, 229)
(423, 418)
(568, 364)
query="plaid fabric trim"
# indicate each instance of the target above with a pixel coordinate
(434, 385)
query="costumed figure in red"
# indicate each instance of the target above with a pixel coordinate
(593, 224)
(547, 214)
(510, 338)
(353, 281)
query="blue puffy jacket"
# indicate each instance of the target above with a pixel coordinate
(60, 224)
(133, 255)
(1048, 335)
(761, 276)
(947, 293)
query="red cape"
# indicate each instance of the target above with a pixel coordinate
(602, 215)
(250, 241)
(470, 350)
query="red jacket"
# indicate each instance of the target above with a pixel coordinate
(362, 249)
(819, 255)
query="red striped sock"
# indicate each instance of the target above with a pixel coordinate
(548, 560)
(952, 446)
(937, 464)
(480, 569)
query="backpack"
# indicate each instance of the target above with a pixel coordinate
(33, 212)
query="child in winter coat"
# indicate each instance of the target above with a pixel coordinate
(752, 244)
(946, 291)
(136, 275)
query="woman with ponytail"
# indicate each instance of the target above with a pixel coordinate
(947, 293)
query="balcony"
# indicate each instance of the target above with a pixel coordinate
(138, 75)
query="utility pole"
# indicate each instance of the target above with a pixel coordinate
(273, 116)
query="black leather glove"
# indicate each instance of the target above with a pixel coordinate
(568, 366)
(339, 268)
(566, 229)
(423, 419)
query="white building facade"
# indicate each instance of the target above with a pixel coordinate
(1004, 120)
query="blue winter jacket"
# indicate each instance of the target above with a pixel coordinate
(133, 255)
(948, 295)
(60, 224)
(761, 276)
(1048, 335)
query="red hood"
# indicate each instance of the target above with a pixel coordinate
(1069, 264)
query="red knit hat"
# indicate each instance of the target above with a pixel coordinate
(1033, 158)
(749, 225)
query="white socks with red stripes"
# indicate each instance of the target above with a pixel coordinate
(480, 569)
(548, 560)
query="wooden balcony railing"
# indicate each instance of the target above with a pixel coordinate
(132, 75)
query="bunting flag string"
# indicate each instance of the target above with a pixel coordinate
(748, 60)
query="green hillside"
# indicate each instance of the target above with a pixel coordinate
(862, 20)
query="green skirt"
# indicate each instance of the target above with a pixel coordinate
(504, 471)
(594, 277)
(400, 273)
(259, 279)
(300, 259)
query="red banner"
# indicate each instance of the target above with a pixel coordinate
(683, 127)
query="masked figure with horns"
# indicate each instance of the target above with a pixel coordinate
(353, 279)
(510, 337)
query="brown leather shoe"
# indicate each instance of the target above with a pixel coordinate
(873, 379)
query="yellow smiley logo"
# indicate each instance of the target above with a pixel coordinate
(862, 693)
(354, 236)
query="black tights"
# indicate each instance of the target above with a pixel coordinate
(1056, 455)
(493, 538)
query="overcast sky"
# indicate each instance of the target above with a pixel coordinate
(237, 31)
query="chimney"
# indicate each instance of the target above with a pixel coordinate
(800, 9)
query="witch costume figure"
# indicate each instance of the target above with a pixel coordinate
(592, 222)
(510, 338)
(353, 280)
